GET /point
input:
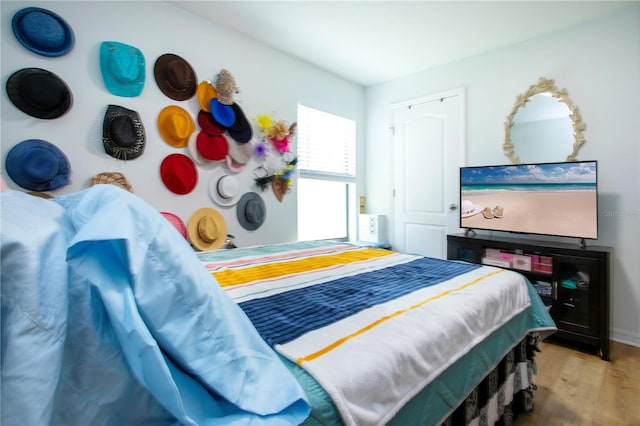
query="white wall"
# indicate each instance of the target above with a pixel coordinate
(269, 82)
(599, 65)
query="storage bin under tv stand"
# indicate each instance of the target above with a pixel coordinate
(578, 278)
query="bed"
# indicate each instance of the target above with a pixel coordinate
(381, 337)
(108, 317)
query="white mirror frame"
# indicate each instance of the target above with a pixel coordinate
(544, 85)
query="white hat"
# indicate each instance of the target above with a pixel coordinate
(224, 188)
(468, 209)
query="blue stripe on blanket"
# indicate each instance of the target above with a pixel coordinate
(284, 317)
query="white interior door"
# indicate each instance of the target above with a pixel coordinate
(428, 152)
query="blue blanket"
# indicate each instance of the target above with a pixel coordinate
(286, 316)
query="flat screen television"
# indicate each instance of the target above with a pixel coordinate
(558, 199)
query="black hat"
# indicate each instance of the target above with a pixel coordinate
(240, 130)
(122, 133)
(39, 93)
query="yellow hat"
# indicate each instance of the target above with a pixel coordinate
(205, 92)
(207, 229)
(175, 125)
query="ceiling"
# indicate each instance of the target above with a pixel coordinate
(371, 42)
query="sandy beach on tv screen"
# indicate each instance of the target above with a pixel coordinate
(556, 213)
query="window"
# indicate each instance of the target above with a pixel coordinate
(326, 162)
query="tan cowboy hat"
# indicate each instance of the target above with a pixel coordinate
(207, 229)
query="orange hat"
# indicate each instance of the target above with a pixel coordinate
(175, 125)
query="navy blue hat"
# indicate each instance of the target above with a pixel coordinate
(42, 31)
(39, 93)
(240, 130)
(38, 165)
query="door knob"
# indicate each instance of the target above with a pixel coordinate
(453, 207)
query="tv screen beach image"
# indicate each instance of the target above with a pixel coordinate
(553, 199)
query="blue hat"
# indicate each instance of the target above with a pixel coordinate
(122, 68)
(37, 165)
(223, 114)
(42, 31)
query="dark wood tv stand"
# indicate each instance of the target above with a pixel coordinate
(572, 281)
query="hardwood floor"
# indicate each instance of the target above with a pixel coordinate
(578, 388)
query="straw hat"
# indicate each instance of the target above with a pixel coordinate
(39, 93)
(38, 165)
(226, 87)
(42, 31)
(175, 125)
(123, 68)
(207, 229)
(113, 178)
(251, 211)
(123, 135)
(175, 77)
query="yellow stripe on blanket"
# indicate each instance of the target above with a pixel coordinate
(231, 277)
(376, 323)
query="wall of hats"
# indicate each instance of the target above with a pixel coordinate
(195, 119)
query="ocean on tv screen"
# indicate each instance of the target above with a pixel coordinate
(549, 198)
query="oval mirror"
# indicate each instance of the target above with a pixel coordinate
(544, 126)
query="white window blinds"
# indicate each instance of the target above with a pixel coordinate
(326, 145)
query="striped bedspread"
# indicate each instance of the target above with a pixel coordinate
(372, 326)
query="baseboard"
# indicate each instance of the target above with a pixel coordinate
(626, 338)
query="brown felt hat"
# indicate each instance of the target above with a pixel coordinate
(175, 77)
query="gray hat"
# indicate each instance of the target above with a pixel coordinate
(251, 211)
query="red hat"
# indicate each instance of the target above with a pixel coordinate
(208, 124)
(213, 148)
(179, 174)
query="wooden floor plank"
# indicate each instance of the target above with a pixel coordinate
(578, 388)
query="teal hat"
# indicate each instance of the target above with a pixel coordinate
(38, 165)
(42, 32)
(123, 68)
